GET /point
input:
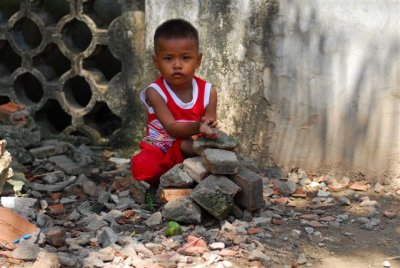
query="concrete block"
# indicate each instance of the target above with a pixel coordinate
(219, 161)
(176, 177)
(182, 209)
(251, 195)
(215, 194)
(195, 168)
(224, 141)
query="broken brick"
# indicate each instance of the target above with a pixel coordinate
(360, 186)
(56, 209)
(168, 194)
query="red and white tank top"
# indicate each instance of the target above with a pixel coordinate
(183, 112)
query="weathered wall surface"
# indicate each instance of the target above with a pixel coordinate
(302, 83)
(306, 83)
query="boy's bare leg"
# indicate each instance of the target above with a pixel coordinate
(187, 148)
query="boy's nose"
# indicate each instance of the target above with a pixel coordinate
(177, 64)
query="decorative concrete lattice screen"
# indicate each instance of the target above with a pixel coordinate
(61, 60)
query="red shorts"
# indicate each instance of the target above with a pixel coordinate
(150, 163)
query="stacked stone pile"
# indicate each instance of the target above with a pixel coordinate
(216, 181)
(5, 164)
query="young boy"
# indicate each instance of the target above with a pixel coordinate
(179, 104)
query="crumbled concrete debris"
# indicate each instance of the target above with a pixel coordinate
(103, 218)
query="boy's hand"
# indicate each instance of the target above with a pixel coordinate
(207, 128)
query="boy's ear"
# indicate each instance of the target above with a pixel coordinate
(199, 58)
(155, 62)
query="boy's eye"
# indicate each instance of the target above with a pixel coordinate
(167, 58)
(187, 57)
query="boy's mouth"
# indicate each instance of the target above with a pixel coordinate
(177, 74)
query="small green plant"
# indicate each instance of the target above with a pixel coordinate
(149, 201)
(133, 233)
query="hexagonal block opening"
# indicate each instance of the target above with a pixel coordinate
(9, 60)
(7, 9)
(103, 12)
(103, 60)
(55, 9)
(28, 89)
(77, 92)
(4, 99)
(102, 119)
(27, 34)
(51, 62)
(52, 117)
(77, 36)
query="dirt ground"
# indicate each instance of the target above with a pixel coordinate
(364, 248)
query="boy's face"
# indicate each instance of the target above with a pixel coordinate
(177, 60)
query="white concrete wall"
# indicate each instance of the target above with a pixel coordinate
(335, 84)
(314, 84)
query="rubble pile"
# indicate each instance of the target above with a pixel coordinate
(5, 164)
(216, 181)
(81, 208)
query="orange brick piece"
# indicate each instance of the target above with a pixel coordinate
(167, 195)
(57, 209)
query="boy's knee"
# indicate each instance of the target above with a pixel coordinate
(144, 168)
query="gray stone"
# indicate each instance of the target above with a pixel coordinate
(219, 161)
(24, 206)
(257, 255)
(154, 219)
(251, 195)
(52, 188)
(176, 177)
(344, 201)
(49, 150)
(215, 194)
(89, 187)
(46, 259)
(195, 168)
(26, 252)
(107, 237)
(66, 164)
(224, 141)
(138, 190)
(184, 210)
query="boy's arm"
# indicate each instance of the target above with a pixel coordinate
(178, 130)
(211, 110)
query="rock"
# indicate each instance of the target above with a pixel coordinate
(46, 259)
(107, 237)
(154, 219)
(257, 255)
(344, 201)
(251, 195)
(295, 234)
(217, 245)
(195, 168)
(66, 164)
(219, 161)
(224, 141)
(56, 236)
(26, 252)
(24, 206)
(183, 209)
(176, 177)
(215, 194)
(389, 214)
(317, 237)
(379, 188)
(301, 259)
(138, 190)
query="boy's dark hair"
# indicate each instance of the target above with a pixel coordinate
(176, 28)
